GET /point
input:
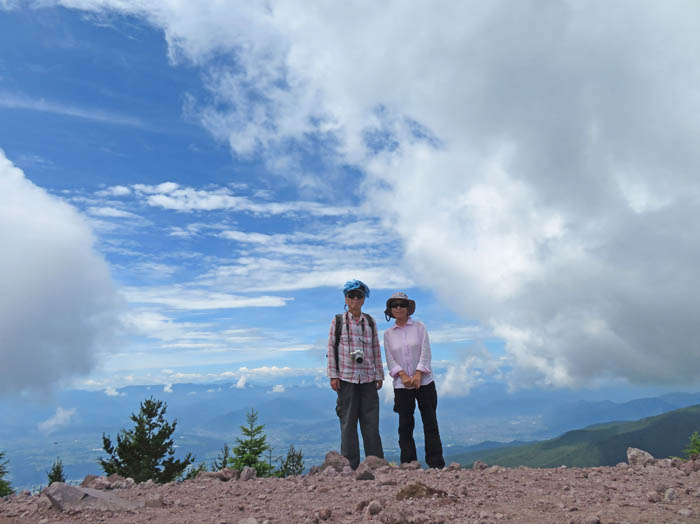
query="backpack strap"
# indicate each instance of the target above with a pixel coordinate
(371, 324)
(338, 329)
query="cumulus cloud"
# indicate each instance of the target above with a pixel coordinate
(58, 308)
(60, 419)
(537, 160)
(110, 212)
(113, 392)
(179, 297)
(278, 388)
(170, 195)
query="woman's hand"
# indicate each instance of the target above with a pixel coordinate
(407, 381)
(416, 379)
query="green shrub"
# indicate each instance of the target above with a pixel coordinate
(251, 447)
(5, 488)
(56, 473)
(146, 451)
(292, 464)
(693, 450)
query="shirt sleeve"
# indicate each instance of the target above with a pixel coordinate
(377, 350)
(424, 361)
(391, 362)
(332, 369)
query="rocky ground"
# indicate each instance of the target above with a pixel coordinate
(644, 490)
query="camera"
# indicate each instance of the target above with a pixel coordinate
(358, 355)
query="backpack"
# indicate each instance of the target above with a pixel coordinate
(339, 329)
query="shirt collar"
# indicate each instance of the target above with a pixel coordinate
(352, 319)
(408, 323)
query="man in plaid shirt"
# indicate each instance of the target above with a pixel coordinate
(356, 375)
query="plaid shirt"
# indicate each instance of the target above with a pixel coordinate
(361, 336)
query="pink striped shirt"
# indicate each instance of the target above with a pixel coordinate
(407, 349)
(355, 334)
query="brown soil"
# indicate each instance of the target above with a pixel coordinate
(657, 493)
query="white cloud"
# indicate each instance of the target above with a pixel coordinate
(179, 297)
(110, 212)
(278, 388)
(19, 101)
(116, 191)
(538, 161)
(169, 195)
(61, 418)
(112, 392)
(168, 388)
(58, 307)
(241, 382)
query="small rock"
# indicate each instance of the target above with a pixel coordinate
(638, 457)
(479, 466)
(653, 497)
(664, 463)
(670, 494)
(685, 512)
(324, 513)
(154, 500)
(364, 472)
(249, 520)
(454, 466)
(334, 460)
(410, 465)
(418, 490)
(248, 473)
(373, 462)
(374, 507)
(86, 481)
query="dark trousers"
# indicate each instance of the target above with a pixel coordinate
(405, 406)
(359, 402)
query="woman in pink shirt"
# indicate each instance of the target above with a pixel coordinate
(407, 350)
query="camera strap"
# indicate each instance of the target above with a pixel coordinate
(339, 329)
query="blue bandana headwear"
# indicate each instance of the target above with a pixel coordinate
(355, 284)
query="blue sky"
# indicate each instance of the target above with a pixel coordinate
(187, 188)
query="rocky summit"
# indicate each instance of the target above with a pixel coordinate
(641, 490)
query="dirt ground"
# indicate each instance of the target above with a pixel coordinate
(658, 493)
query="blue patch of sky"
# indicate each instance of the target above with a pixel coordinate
(86, 106)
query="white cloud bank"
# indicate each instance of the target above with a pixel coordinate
(60, 419)
(57, 306)
(538, 160)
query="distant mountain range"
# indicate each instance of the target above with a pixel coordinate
(297, 412)
(663, 436)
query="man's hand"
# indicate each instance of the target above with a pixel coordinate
(416, 379)
(335, 384)
(380, 383)
(407, 381)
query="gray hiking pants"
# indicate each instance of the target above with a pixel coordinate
(359, 402)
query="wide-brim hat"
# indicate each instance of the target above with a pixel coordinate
(402, 297)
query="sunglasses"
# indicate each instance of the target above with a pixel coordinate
(356, 294)
(399, 305)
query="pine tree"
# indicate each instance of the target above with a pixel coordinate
(693, 449)
(292, 464)
(56, 473)
(222, 461)
(146, 451)
(251, 447)
(5, 488)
